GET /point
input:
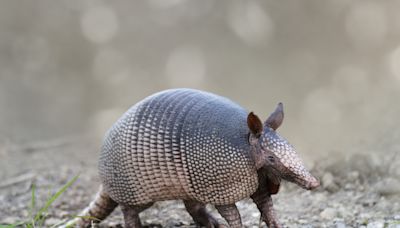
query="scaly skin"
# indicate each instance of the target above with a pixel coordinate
(231, 214)
(190, 145)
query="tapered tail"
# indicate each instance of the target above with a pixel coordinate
(97, 211)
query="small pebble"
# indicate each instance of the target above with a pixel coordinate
(354, 176)
(393, 225)
(10, 220)
(52, 221)
(340, 224)
(376, 224)
(319, 197)
(328, 182)
(328, 213)
(388, 186)
(302, 221)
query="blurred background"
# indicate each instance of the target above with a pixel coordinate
(71, 68)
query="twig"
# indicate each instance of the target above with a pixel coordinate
(18, 179)
(45, 145)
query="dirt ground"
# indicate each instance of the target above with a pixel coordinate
(355, 192)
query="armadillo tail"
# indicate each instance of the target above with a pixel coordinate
(97, 211)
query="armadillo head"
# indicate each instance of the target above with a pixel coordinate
(274, 153)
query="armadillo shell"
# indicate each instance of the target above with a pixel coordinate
(179, 144)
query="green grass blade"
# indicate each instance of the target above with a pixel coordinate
(59, 223)
(32, 206)
(17, 224)
(42, 210)
(33, 200)
(7, 226)
(70, 224)
(87, 217)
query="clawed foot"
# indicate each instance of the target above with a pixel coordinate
(200, 215)
(273, 224)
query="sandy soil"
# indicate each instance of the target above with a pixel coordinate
(354, 192)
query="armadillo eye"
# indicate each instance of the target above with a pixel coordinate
(271, 159)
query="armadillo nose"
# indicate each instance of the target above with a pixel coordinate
(314, 183)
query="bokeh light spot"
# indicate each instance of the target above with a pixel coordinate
(162, 4)
(111, 67)
(302, 63)
(321, 109)
(350, 83)
(394, 62)
(366, 25)
(186, 67)
(31, 53)
(99, 24)
(250, 22)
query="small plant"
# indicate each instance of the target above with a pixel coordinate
(37, 220)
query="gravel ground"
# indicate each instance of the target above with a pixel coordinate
(354, 193)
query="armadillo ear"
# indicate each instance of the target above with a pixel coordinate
(276, 118)
(255, 124)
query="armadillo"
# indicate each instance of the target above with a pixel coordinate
(195, 146)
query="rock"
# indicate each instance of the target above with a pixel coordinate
(302, 221)
(320, 197)
(328, 213)
(369, 202)
(368, 164)
(172, 223)
(114, 224)
(306, 226)
(354, 176)
(388, 186)
(10, 220)
(340, 224)
(393, 225)
(328, 182)
(349, 186)
(376, 224)
(24, 213)
(52, 221)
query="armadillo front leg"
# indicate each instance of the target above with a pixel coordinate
(200, 215)
(131, 215)
(231, 214)
(265, 205)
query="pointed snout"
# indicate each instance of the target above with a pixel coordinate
(313, 183)
(308, 181)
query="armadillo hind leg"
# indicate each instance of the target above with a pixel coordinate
(98, 210)
(199, 214)
(131, 215)
(231, 214)
(264, 204)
